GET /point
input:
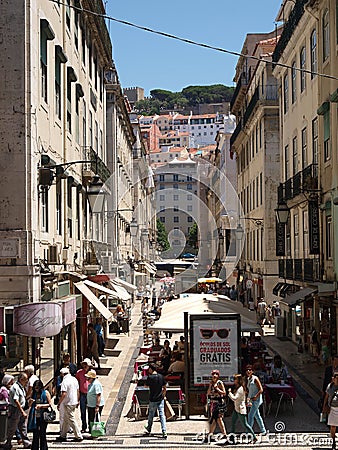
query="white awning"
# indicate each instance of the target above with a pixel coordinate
(91, 297)
(121, 292)
(149, 268)
(128, 286)
(103, 289)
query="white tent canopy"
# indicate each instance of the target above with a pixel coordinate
(172, 316)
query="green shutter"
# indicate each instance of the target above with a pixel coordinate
(326, 125)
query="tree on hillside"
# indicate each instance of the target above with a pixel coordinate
(162, 237)
(193, 236)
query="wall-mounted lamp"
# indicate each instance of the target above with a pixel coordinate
(282, 212)
(96, 195)
(239, 232)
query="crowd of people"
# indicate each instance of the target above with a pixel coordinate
(26, 400)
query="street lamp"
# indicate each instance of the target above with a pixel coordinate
(96, 195)
(239, 232)
(282, 212)
(133, 228)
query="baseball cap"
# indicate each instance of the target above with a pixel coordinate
(64, 370)
(87, 361)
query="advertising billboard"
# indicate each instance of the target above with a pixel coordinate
(214, 344)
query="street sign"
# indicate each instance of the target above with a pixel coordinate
(249, 284)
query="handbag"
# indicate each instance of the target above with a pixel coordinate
(49, 416)
(97, 428)
(168, 411)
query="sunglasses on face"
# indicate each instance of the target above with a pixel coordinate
(207, 333)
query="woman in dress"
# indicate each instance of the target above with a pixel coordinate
(255, 399)
(331, 407)
(239, 412)
(95, 400)
(119, 315)
(216, 394)
(40, 401)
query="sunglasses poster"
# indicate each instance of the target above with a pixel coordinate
(215, 345)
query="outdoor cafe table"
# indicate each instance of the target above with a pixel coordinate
(277, 388)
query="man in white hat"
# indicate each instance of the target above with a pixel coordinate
(83, 384)
(70, 397)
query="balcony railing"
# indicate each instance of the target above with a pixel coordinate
(299, 269)
(304, 181)
(236, 132)
(96, 165)
(240, 86)
(289, 28)
(269, 94)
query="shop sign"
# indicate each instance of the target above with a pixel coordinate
(314, 236)
(41, 319)
(280, 239)
(68, 306)
(214, 344)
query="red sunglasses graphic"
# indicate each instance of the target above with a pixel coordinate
(207, 333)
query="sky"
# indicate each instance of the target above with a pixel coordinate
(150, 61)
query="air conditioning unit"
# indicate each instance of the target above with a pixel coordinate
(106, 262)
(52, 254)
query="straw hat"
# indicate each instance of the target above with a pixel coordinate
(91, 374)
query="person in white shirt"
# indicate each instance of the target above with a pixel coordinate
(30, 372)
(70, 398)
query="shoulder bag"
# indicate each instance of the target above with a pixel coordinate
(49, 416)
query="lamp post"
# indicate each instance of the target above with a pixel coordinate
(282, 212)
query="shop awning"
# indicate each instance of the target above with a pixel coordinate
(299, 296)
(128, 286)
(276, 289)
(149, 268)
(283, 291)
(103, 289)
(91, 297)
(172, 315)
(121, 292)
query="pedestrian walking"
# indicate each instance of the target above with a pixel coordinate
(40, 401)
(157, 393)
(70, 397)
(255, 399)
(93, 349)
(233, 293)
(83, 386)
(100, 339)
(216, 396)
(30, 371)
(17, 415)
(239, 412)
(95, 399)
(330, 407)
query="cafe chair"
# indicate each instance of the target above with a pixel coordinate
(141, 403)
(282, 399)
(176, 399)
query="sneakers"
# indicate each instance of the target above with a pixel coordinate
(78, 439)
(146, 430)
(61, 439)
(164, 435)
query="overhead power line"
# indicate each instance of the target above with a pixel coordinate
(198, 44)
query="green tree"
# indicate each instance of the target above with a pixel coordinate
(193, 236)
(162, 237)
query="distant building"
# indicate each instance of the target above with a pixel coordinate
(134, 94)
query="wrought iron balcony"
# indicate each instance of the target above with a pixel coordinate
(269, 95)
(299, 269)
(240, 88)
(96, 165)
(281, 268)
(289, 269)
(236, 133)
(304, 181)
(289, 28)
(298, 265)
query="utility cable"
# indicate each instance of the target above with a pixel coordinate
(198, 44)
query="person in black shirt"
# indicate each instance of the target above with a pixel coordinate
(157, 392)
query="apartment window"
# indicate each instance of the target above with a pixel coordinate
(286, 163)
(77, 116)
(101, 144)
(261, 187)
(326, 35)
(305, 234)
(175, 208)
(96, 136)
(296, 235)
(76, 30)
(304, 148)
(189, 208)
(189, 187)
(175, 197)
(176, 219)
(303, 68)
(58, 204)
(313, 41)
(286, 93)
(91, 137)
(46, 34)
(175, 186)
(260, 134)
(315, 141)
(175, 177)
(90, 55)
(189, 178)
(295, 155)
(78, 215)
(84, 124)
(328, 236)
(162, 219)
(68, 13)
(44, 210)
(327, 145)
(162, 187)
(189, 197)
(162, 198)
(57, 85)
(95, 73)
(293, 82)
(190, 219)
(83, 45)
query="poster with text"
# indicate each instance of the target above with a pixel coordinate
(214, 340)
